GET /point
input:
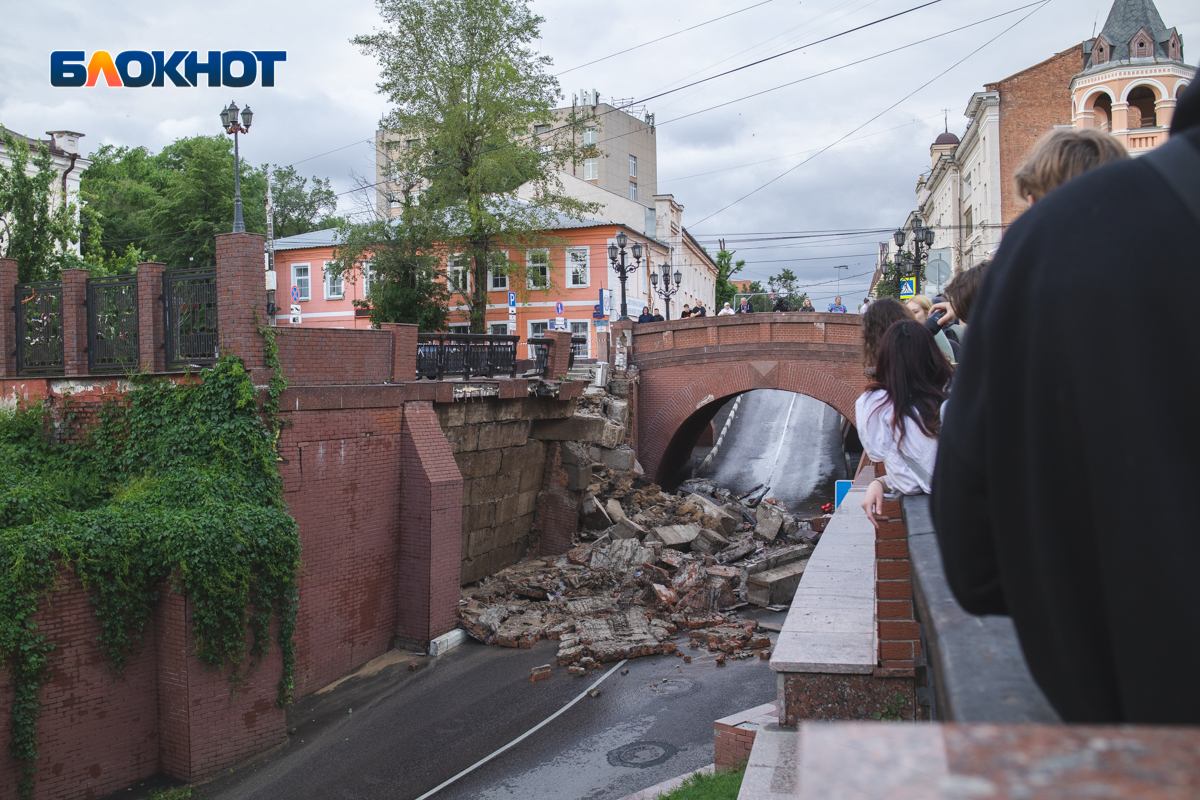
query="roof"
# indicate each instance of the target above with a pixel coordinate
(1125, 19)
(946, 138)
(329, 236)
(34, 144)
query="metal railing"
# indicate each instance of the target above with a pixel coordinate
(112, 324)
(466, 354)
(579, 347)
(190, 316)
(39, 328)
(539, 348)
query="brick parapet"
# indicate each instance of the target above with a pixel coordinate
(899, 633)
(558, 360)
(241, 296)
(8, 320)
(74, 321)
(151, 351)
(404, 350)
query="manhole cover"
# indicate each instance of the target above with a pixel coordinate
(641, 754)
(672, 686)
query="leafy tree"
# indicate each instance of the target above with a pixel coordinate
(404, 285)
(783, 283)
(759, 300)
(298, 209)
(467, 89)
(120, 189)
(35, 230)
(726, 269)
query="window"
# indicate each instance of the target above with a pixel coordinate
(498, 329)
(537, 269)
(591, 169)
(578, 274)
(410, 143)
(591, 137)
(581, 329)
(300, 281)
(968, 220)
(540, 129)
(498, 271)
(367, 276)
(633, 190)
(633, 166)
(460, 327)
(457, 277)
(334, 289)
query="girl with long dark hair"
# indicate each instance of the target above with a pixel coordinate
(899, 414)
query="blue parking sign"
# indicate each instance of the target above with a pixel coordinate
(512, 299)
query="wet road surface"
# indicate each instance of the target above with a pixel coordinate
(411, 731)
(787, 441)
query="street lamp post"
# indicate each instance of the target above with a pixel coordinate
(668, 289)
(923, 238)
(841, 267)
(616, 255)
(229, 119)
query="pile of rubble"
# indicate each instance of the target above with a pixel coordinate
(646, 566)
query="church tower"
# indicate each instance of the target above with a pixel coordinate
(1133, 75)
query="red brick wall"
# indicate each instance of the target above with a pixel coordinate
(679, 389)
(8, 331)
(1032, 102)
(150, 316)
(241, 296)
(74, 290)
(326, 356)
(899, 631)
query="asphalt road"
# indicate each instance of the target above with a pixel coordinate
(787, 441)
(398, 734)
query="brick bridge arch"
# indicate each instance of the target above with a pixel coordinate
(688, 368)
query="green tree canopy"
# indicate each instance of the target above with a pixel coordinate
(36, 227)
(467, 89)
(726, 269)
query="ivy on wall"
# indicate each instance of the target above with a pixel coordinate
(174, 483)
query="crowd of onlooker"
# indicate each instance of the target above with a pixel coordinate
(1057, 441)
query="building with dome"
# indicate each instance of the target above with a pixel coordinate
(1133, 74)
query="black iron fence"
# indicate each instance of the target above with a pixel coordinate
(465, 354)
(112, 324)
(539, 348)
(39, 328)
(579, 347)
(190, 315)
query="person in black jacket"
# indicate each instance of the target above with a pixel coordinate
(1064, 493)
(744, 307)
(646, 316)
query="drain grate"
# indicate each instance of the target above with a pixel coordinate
(641, 755)
(673, 686)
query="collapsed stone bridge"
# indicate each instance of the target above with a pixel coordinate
(688, 368)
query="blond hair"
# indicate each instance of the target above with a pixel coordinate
(921, 300)
(1063, 155)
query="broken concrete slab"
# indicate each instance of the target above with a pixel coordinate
(709, 514)
(615, 512)
(626, 528)
(779, 558)
(775, 585)
(710, 542)
(621, 458)
(592, 514)
(676, 537)
(770, 522)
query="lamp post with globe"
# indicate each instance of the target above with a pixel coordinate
(616, 255)
(234, 126)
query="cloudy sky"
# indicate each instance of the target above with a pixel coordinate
(323, 111)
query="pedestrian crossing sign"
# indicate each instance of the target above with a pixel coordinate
(908, 288)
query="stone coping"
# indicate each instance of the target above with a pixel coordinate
(752, 718)
(855, 760)
(831, 625)
(978, 670)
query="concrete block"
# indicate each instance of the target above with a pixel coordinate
(621, 458)
(529, 454)
(775, 586)
(576, 454)
(476, 464)
(480, 541)
(526, 503)
(578, 428)
(451, 415)
(710, 542)
(480, 411)
(531, 478)
(447, 642)
(496, 435)
(617, 410)
(712, 515)
(676, 537)
(770, 522)
(463, 439)
(579, 477)
(615, 512)
(592, 514)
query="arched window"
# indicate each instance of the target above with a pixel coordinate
(1102, 111)
(1141, 108)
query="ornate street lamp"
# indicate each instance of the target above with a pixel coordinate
(923, 239)
(668, 290)
(229, 120)
(616, 255)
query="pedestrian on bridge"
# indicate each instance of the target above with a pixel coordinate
(879, 317)
(744, 307)
(807, 305)
(726, 311)
(836, 306)
(646, 316)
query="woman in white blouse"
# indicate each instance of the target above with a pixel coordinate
(898, 416)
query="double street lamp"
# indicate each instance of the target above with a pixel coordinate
(616, 255)
(910, 265)
(229, 119)
(668, 289)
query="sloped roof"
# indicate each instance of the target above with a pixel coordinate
(1126, 18)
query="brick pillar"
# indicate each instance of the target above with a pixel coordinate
(8, 318)
(558, 360)
(151, 350)
(404, 351)
(241, 296)
(899, 632)
(431, 498)
(74, 317)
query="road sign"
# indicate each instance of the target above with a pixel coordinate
(558, 308)
(295, 319)
(599, 315)
(295, 308)
(938, 272)
(560, 324)
(512, 300)
(841, 489)
(908, 288)
(295, 294)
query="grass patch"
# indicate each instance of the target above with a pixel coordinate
(719, 785)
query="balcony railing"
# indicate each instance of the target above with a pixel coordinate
(466, 354)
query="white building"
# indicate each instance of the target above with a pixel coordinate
(69, 164)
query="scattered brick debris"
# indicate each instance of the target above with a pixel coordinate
(539, 673)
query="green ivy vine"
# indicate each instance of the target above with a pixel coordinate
(176, 482)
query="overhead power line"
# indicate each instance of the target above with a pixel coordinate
(1040, 6)
(662, 38)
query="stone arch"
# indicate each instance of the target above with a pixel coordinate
(667, 434)
(1179, 89)
(1099, 101)
(1160, 91)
